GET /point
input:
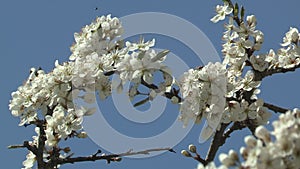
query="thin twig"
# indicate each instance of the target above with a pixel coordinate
(111, 157)
(168, 95)
(201, 160)
(16, 146)
(260, 75)
(94, 157)
(234, 127)
(275, 108)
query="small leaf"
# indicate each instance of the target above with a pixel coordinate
(141, 102)
(236, 10)
(160, 55)
(242, 13)
(141, 55)
(67, 149)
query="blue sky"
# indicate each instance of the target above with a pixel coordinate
(35, 33)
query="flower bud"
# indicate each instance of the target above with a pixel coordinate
(294, 34)
(82, 135)
(174, 100)
(192, 148)
(262, 133)
(259, 37)
(251, 20)
(67, 149)
(226, 160)
(250, 141)
(244, 152)
(117, 159)
(186, 153)
(233, 155)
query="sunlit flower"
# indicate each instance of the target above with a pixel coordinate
(292, 36)
(222, 11)
(30, 160)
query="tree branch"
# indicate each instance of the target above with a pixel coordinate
(56, 160)
(235, 126)
(41, 144)
(111, 157)
(168, 95)
(217, 141)
(31, 148)
(275, 108)
(220, 138)
(260, 75)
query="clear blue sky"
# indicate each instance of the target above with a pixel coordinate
(35, 33)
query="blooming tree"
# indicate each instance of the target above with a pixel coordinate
(223, 94)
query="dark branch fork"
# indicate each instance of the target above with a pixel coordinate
(219, 139)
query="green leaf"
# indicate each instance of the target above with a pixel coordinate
(141, 102)
(242, 13)
(160, 55)
(236, 10)
(141, 54)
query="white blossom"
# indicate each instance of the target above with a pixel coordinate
(264, 152)
(292, 36)
(258, 62)
(222, 11)
(96, 37)
(30, 160)
(202, 87)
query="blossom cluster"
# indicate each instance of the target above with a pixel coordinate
(217, 92)
(50, 99)
(42, 91)
(237, 99)
(203, 91)
(97, 37)
(239, 69)
(278, 149)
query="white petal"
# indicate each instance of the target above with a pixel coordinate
(206, 132)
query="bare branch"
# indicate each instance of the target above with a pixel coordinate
(235, 126)
(31, 148)
(168, 95)
(220, 138)
(275, 108)
(41, 144)
(201, 160)
(16, 146)
(111, 157)
(260, 75)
